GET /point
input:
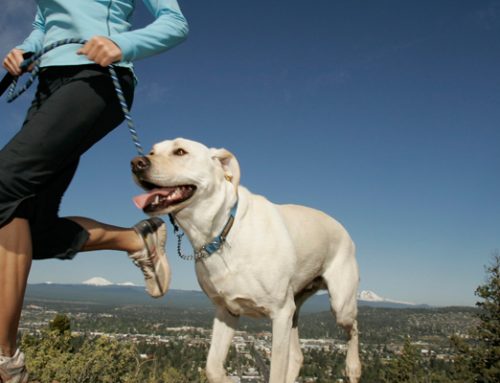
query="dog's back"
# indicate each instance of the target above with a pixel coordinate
(316, 236)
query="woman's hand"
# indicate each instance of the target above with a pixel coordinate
(12, 62)
(101, 50)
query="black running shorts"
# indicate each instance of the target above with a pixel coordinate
(74, 107)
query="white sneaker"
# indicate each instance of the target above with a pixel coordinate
(152, 260)
(12, 369)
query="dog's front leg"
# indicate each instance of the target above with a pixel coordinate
(282, 327)
(222, 333)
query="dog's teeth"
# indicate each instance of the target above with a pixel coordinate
(157, 200)
(178, 193)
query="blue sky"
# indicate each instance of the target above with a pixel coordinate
(384, 114)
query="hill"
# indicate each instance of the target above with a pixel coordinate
(124, 294)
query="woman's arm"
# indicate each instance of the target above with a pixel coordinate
(33, 43)
(169, 29)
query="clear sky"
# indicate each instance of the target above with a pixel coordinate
(384, 114)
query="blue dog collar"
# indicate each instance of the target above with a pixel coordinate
(218, 241)
(211, 247)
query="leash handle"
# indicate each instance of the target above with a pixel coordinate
(10, 82)
(8, 78)
(35, 59)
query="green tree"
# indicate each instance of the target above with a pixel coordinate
(60, 323)
(47, 354)
(51, 357)
(172, 375)
(479, 358)
(103, 360)
(406, 367)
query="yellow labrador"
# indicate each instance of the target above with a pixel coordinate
(253, 257)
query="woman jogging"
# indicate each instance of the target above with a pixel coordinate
(74, 107)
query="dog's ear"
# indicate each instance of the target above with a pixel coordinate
(229, 164)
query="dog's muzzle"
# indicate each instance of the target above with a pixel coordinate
(158, 197)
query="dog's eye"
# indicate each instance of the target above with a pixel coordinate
(180, 152)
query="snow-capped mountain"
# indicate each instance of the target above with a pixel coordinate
(127, 284)
(370, 296)
(97, 281)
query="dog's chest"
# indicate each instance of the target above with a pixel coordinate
(233, 291)
(240, 305)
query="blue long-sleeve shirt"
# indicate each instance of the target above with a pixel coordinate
(60, 19)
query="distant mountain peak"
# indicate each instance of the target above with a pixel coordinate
(370, 296)
(127, 284)
(97, 281)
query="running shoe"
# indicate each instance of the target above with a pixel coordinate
(13, 369)
(152, 259)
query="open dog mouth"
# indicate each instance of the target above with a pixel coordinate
(160, 198)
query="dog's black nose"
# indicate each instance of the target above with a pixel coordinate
(140, 164)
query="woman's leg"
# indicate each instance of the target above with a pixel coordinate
(71, 113)
(15, 263)
(144, 243)
(108, 237)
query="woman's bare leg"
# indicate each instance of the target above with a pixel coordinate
(15, 264)
(107, 237)
(146, 250)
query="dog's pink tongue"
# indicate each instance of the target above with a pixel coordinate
(141, 201)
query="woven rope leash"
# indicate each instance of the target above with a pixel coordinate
(35, 59)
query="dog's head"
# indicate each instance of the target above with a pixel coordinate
(178, 172)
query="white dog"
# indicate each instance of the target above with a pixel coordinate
(253, 257)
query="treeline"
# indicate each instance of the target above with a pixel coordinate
(377, 325)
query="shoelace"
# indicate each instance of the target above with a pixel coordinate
(143, 261)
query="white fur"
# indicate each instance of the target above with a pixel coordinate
(276, 256)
